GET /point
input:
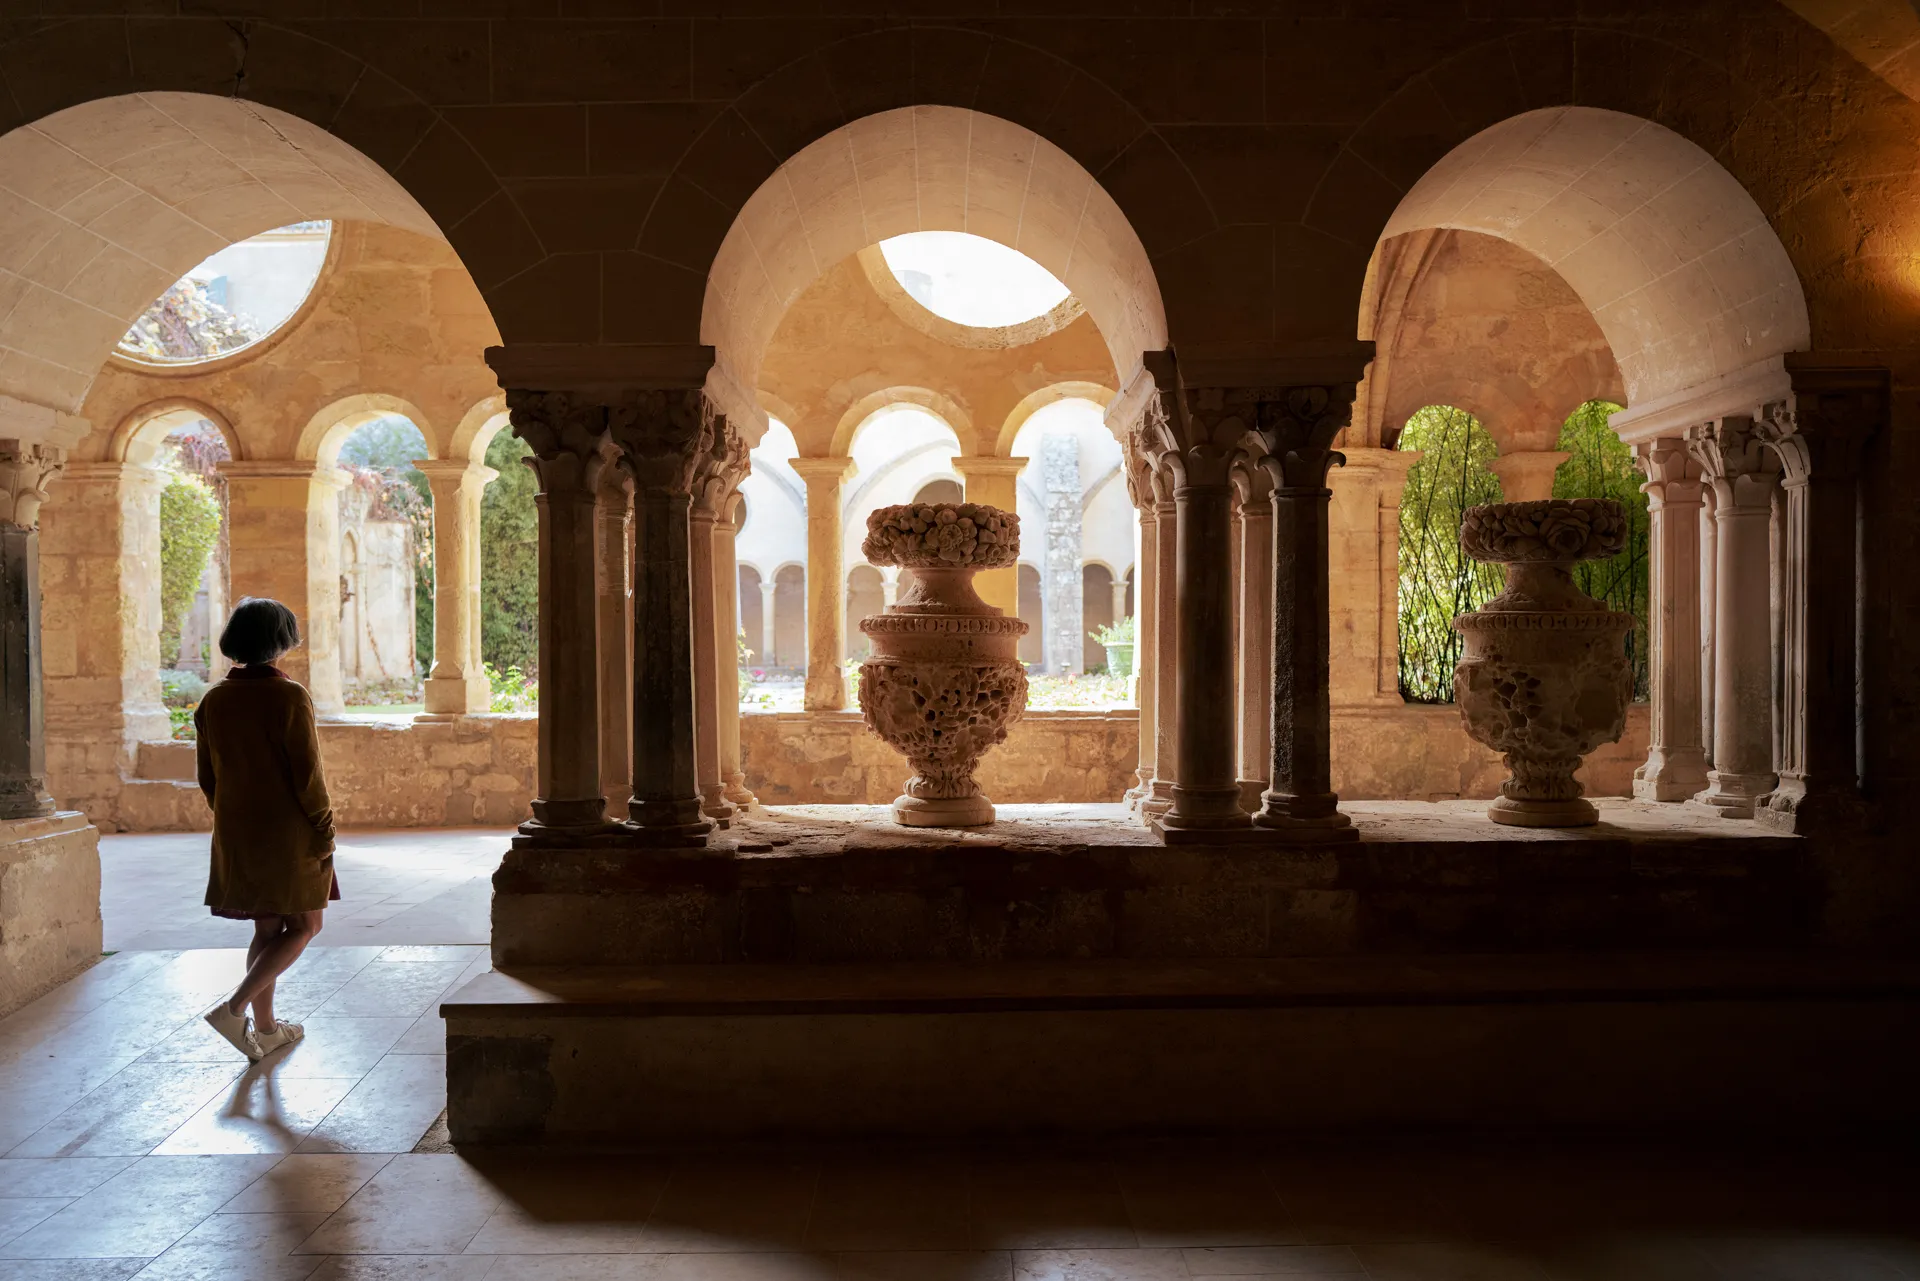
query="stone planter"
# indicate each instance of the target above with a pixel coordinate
(945, 680)
(1544, 678)
(1119, 660)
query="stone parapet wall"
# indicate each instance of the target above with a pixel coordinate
(49, 903)
(829, 758)
(1421, 752)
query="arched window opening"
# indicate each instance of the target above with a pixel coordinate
(386, 568)
(1096, 613)
(756, 635)
(971, 280)
(1601, 466)
(940, 491)
(1437, 580)
(774, 530)
(790, 620)
(233, 299)
(193, 568)
(866, 595)
(510, 577)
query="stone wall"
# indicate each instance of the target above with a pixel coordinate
(49, 903)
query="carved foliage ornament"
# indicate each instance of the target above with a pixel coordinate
(942, 536)
(1822, 430)
(1297, 426)
(26, 469)
(719, 468)
(662, 436)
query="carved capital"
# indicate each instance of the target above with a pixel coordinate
(1297, 430)
(719, 468)
(1823, 427)
(567, 432)
(26, 469)
(1735, 461)
(1673, 474)
(662, 435)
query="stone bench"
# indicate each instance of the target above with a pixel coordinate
(729, 1053)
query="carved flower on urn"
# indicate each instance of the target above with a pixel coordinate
(945, 682)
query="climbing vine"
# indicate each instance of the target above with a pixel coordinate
(189, 528)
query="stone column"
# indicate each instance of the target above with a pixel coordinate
(1709, 578)
(613, 632)
(663, 436)
(995, 482)
(768, 634)
(1255, 648)
(1819, 436)
(1146, 641)
(1676, 765)
(26, 469)
(1200, 433)
(99, 571)
(1742, 474)
(572, 450)
(283, 532)
(717, 476)
(1166, 647)
(1297, 428)
(1060, 468)
(726, 593)
(826, 583)
(456, 685)
(1526, 475)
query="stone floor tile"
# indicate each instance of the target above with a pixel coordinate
(17, 1214)
(574, 1267)
(741, 1267)
(341, 1047)
(888, 1205)
(321, 1181)
(391, 991)
(1363, 1198)
(424, 1204)
(926, 1265)
(1452, 1261)
(69, 1269)
(425, 1035)
(1213, 1201)
(58, 1176)
(1796, 1257)
(1306, 1262)
(262, 1111)
(738, 1205)
(1631, 1259)
(418, 954)
(134, 1112)
(568, 1204)
(1099, 1265)
(405, 1268)
(1030, 1203)
(240, 1247)
(388, 1110)
(141, 1210)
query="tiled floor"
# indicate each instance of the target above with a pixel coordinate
(136, 1143)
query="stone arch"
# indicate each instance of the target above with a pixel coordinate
(939, 404)
(139, 188)
(329, 427)
(1677, 263)
(476, 430)
(140, 433)
(1035, 401)
(926, 168)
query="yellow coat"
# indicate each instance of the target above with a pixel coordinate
(259, 765)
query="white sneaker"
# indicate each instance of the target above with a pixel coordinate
(283, 1035)
(237, 1028)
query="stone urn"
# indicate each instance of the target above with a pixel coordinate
(1544, 678)
(945, 680)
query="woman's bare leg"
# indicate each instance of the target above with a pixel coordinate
(274, 958)
(265, 931)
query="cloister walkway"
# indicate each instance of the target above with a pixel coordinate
(132, 1142)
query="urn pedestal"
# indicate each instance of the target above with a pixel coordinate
(944, 681)
(1544, 678)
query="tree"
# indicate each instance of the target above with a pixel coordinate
(1601, 466)
(1438, 581)
(189, 528)
(185, 324)
(510, 560)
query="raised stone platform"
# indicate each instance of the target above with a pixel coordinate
(49, 903)
(1666, 1042)
(843, 883)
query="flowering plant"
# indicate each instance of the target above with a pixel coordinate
(942, 536)
(1552, 529)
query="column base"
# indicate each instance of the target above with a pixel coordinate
(1732, 795)
(683, 835)
(715, 805)
(1251, 790)
(583, 816)
(1517, 812)
(1797, 810)
(1205, 809)
(734, 789)
(826, 690)
(24, 798)
(1671, 776)
(668, 822)
(450, 696)
(1304, 818)
(1156, 800)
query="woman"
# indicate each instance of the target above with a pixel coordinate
(259, 758)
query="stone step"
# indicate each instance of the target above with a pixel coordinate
(695, 1054)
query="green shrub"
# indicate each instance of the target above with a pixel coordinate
(1120, 633)
(510, 561)
(189, 528)
(1601, 466)
(1438, 581)
(513, 694)
(181, 689)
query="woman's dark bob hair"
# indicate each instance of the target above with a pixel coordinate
(259, 631)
